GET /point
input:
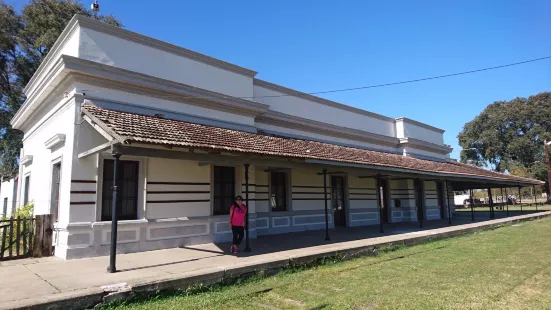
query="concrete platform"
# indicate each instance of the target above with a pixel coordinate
(49, 283)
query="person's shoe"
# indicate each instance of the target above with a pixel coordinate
(232, 249)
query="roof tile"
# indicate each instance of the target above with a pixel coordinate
(150, 129)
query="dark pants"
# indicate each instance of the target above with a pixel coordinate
(238, 234)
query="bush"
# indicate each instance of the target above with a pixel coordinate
(25, 212)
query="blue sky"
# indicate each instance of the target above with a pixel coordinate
(320, 45)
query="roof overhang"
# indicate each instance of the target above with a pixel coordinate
(108, 123)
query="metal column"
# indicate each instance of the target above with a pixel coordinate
(491, 203)
(520, 199)
(420, 198)
(472, 204)
(247, 243)
(503, 199)
(379, 203)
(326, 211)
(449, 205)
(506, 195)
(535, 200)
(114, 221)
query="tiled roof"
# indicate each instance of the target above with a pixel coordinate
(128, 127)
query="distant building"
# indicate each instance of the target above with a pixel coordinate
(8, 190)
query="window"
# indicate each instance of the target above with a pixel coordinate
(127, 181)
(26, 193)
(278, 191)
(54, 198)
(5, 209)
(224, 189)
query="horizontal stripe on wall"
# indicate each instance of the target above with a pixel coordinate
(83, 192)
(256, 199)
(363, 194)
(307, 186)
(402, 189)
(311, 198)
(178, 201)
(179, 183)
(315, 193)
(178, 192)
(74, 203)
(83, 181)
(371, 189)
(255, 185)
(375, 199)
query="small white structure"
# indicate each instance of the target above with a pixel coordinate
(189, 130)
(8, 190)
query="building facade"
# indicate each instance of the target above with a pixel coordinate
(192, 132)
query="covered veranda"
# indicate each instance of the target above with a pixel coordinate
(139, 136)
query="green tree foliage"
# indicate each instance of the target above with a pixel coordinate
(26, 37)
(509, 136)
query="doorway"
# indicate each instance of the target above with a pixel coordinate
(337, 200)
(383, 195)
(54, 197)
(440, 195)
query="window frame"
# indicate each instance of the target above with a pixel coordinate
(5, 207)
(236, 187)
(57, 161)
(288, 191)
(26, 188)
(141, 204)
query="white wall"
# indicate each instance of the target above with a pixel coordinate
(432, 207)
(109, 94)
(405, 129)
(262, 204)
(410, 151)
(6, 193)
(59, 119)
(307, 185)
(117, 52)
(177, 171)
(317, 136)
(323, 113)
(403, 190)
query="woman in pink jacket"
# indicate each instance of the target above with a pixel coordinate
(237, 222)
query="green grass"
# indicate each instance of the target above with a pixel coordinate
(511, 208)
(505, 268)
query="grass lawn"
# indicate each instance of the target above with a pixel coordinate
(511, 208)
(506, 268)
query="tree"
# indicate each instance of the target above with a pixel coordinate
(508, 136)
(26, 37)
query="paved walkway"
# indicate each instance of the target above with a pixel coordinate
(33, 282)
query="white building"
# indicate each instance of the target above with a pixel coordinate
(8, 190)
(187, 125)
